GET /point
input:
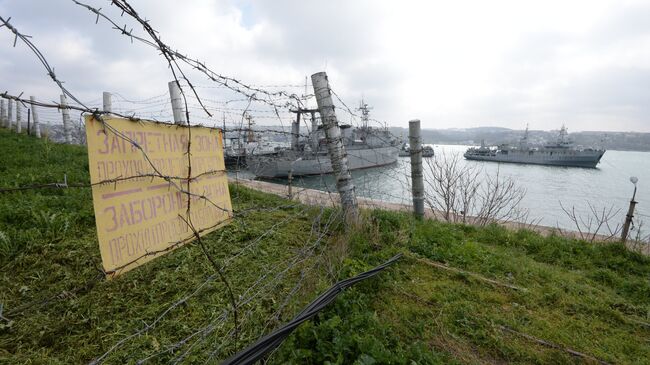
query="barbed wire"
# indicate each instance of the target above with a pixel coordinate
(196, 234)
(39, 56)
(253, 94)
(149, 100)
(126, 8)
(399, 177)
(172, 55)
(304, 253)
(266, 86)
(246, 298)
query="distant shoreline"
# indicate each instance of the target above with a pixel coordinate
(477, 144)
(613, 141)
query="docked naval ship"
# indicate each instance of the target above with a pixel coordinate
(562, 152)
(240, 144)
(365, 147)
(405, 150)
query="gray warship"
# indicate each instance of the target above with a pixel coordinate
(405, 150)
(365, 147)
(240, 144)
(562, 152)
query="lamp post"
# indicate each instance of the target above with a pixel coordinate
(290, 177)
(630, 211)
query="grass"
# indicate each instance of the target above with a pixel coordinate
(50, 259)
(592, 298)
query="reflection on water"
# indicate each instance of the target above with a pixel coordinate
(605, 186)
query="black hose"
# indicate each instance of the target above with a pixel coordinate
(264, 345)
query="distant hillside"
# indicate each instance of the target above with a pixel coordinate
(624, 141)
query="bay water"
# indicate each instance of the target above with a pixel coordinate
(546, 187)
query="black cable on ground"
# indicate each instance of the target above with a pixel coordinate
(269, 342)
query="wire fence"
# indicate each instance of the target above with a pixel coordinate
(237, 318)
(250, 306)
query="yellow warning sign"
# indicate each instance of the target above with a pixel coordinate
(139, 171)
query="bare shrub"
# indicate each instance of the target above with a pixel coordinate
(596, 221)
(500, 199)
(460, 192)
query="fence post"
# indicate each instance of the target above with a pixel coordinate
(295, 132)
(106, 98)
(417, 173)
(314, 132)
(3, 115)
(630, 212)
(289, 183)
(177, 103)
(37, 124)
(19, 118)
(67, 130)
(335, 148)
(10, 113)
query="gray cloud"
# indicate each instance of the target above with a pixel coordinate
(438, 62)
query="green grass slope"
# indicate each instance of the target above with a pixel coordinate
(510, 297)
(515, 289)
(62, 314)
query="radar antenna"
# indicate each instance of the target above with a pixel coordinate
(365, 113)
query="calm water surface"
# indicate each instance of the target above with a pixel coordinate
(546, 186)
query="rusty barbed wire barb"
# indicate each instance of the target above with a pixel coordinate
(170, 54)
(40, 57)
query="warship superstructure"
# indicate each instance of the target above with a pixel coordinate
(562, 152)
(365, 147)
(241, 144)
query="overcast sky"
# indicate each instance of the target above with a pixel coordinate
(452, 64)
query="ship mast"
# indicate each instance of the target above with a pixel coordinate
(251, 136)
(563, 134)
(365, 113)
(223, 131)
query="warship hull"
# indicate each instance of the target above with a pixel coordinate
(317, 164)
(234, 160)
(425, 153)
(587, 159)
